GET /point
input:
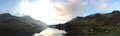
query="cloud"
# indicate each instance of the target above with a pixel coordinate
(78, 7)
(100, 5)
(61, 11)
(115, 6)
(74, 1)
(49, 12)
(67, 10)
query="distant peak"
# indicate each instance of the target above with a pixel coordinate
(5, 14)
(116, 11)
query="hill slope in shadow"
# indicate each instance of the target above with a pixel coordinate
(19, 26)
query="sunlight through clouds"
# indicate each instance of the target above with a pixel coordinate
(46, 11)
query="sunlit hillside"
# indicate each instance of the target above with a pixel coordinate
(93, 25)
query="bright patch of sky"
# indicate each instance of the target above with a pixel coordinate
(111, 5)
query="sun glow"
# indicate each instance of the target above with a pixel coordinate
(44, 10)
(40, 10)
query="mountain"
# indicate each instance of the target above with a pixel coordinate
(93, 25)
(19, 26)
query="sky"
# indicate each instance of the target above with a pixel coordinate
(59, 11)
(111, 5)
(7, 4)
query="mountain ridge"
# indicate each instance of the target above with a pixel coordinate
(19, 26)
(92, 25)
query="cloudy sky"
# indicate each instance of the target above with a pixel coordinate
(58, 11)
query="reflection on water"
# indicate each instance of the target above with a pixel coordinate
(50, 32)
